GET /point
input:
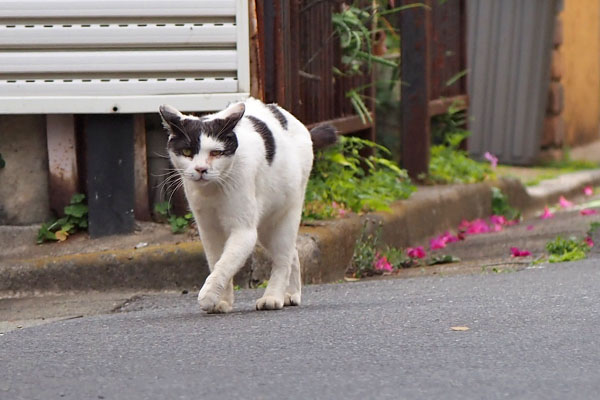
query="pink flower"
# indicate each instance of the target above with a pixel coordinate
(342, 212)
(382, 264)
(530, 227)
(547, 213)
(588, 211)
(498, 219)
(588, 191)
(564, 203)
(415, 252)
(464, 225)
(437, 243)
(492, 159)
(516, 252)
(441, 241)
(478, 226)
(588, 240)
(496, 228)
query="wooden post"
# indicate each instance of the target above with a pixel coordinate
(62, 160)
(142, 203)
(415, 28)
(110, 173)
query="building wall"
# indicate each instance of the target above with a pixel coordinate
(24, 179)
(580, 56)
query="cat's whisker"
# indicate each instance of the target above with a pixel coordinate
(161, 155)
(180, 184)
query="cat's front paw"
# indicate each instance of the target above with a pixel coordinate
(269, 303)
(292, 299)
(208, 299)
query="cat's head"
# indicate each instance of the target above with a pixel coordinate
(202, 149)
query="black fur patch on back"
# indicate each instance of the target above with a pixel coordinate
(267, 136)
(279, 115)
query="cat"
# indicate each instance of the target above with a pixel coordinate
(244, 171)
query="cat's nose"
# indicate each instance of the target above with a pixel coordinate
(201, 170)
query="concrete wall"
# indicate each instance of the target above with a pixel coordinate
(24, 180)
(580, 54)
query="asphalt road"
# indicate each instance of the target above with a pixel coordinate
(533, 334)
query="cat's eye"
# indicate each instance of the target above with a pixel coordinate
(216, 153)
(187, 152)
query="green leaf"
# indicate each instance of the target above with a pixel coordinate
(77, 198)
(76, 210)
(44, 233)
(163, 208)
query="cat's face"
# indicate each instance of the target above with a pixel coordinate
(202, 149)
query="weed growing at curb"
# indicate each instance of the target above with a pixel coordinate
(345, 178)
(179, 224)
(500, 206)
(571, 249)
(75, 219)
(371, 258)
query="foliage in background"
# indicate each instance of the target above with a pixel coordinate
(2, 162)
(454, 120)
(450, 164)
(179, 224)
(343, 175)
(500, 206)
(75, 219)
(356, 26)
(571, 249)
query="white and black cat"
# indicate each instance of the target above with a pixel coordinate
(244, 172)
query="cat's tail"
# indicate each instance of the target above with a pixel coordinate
(323, 136)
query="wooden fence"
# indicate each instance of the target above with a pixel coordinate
(294, 50)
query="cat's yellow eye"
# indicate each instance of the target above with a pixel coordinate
(187, 152)
(216, 153)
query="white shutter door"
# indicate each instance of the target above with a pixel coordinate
(123, 56)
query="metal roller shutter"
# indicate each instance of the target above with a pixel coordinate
(122, 56)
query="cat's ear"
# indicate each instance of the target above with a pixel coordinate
(171, 118)
(232, 115)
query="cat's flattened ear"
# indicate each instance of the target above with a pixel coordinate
(171, 118)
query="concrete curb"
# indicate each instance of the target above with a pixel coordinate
(325, 249)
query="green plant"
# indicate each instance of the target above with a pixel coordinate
(452, 121)
(179, 224)
(356, 27)
(263, 284)
(594, 226)
(571, 249)
(365, 251)
(344, 176)
(2, 162)
(450, 164)
(500, 205)
(75, 219)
